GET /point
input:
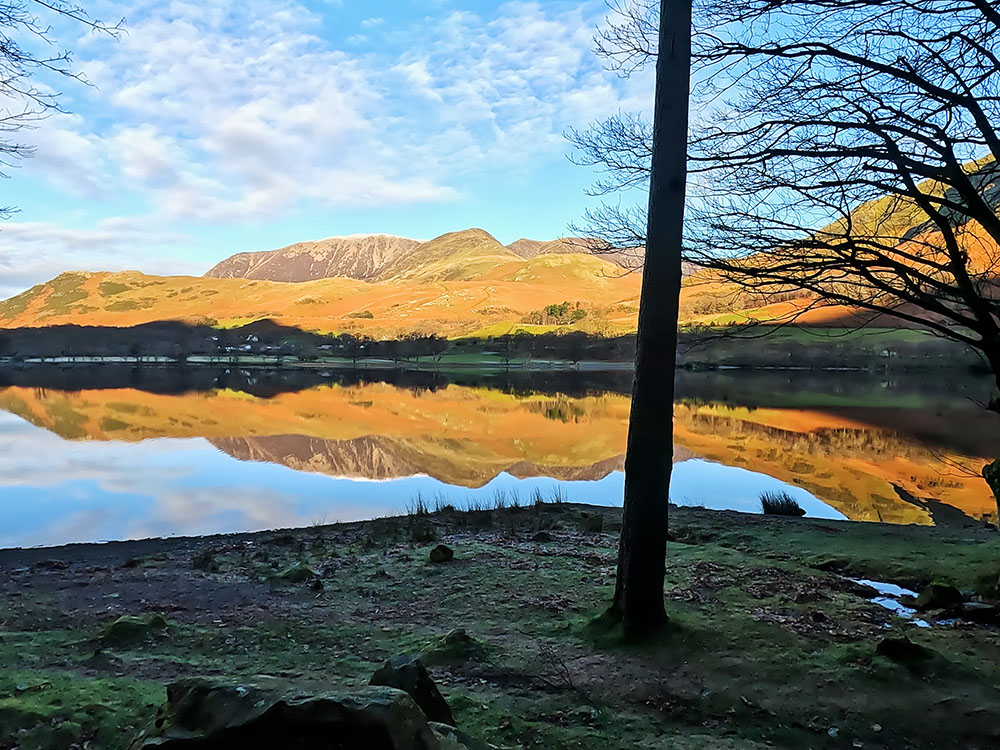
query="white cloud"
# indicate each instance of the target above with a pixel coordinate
(221, 112)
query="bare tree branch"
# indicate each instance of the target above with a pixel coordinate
(844, 150)
(28, 49)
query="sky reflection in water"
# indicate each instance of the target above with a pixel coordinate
(56, 491)
(80, 461)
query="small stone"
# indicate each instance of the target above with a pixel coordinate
(442, 553)
(456, 646)
(457, 637)
(68, 733)
(50, 565)
(939, 596)
(902, 650)
(129, 629)
(542, 536)
(981, 612)
(832, 731)
(205, 560)
(455, 739)
(297, 573)
(876, 728)
(593, 523)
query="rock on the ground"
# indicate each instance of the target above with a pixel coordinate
(297, 573)
(902, 650)
(939, 596)
(988, 583)
(131, 629)
(203, 714)
(457, 646)
(408, 673)
(456, 739)
(442, 553)
(981, 612)
(593, 523)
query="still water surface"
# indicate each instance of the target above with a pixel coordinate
(120, 454)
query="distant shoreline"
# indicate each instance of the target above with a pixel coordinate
(490, 365)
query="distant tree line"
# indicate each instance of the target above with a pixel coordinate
(699, 348)
(178, 340)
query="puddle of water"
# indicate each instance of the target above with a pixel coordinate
(886, 589)
(889, 599)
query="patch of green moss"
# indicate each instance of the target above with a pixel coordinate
(65, 290)
(67, 422)
(16, 305)
(59, 710)
(124, 305)
(111, 288)
(110, 424)
(125, 408)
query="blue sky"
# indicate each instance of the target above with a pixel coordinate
(215, 127)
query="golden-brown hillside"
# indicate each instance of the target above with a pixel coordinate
(464, 283)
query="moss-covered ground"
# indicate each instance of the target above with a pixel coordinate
(770, 644)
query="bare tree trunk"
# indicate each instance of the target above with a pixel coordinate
(638, 601)
(993, 357)
(991, 472)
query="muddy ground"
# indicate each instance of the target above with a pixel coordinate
(770, 644)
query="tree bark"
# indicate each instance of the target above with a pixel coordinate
(638, 601)
(991, 473)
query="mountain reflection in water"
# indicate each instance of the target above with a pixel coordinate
(88, 454)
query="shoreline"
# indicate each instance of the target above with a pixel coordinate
(533, 365)
(114, 548)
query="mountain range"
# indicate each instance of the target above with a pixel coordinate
(461, 283)
(372, 257)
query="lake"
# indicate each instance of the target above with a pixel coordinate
(108, 453)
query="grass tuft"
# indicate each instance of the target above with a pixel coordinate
(780, 504)
(418, 506)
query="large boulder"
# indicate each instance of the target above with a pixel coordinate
(408, 673)
(207, 714)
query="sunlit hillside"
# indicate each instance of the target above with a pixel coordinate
(459, 284)
(886, 222)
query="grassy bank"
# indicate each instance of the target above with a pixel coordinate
(770, 643)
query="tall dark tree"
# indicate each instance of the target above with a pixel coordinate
(27, 50)
(845, 149)
(638, 601)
